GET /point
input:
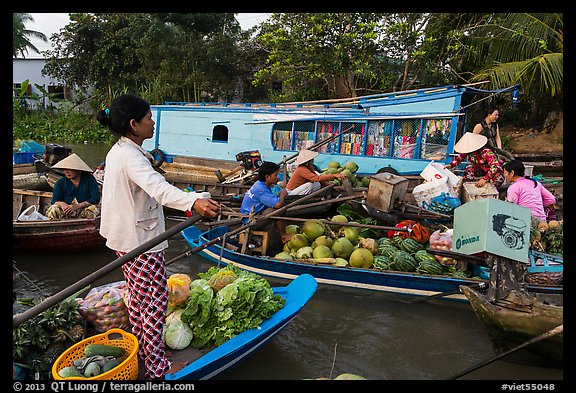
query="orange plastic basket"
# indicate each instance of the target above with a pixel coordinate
(127, 370)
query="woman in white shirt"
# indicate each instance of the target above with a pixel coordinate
(133, 194)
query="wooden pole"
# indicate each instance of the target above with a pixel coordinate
(345, 224)
(557, 330)
(251, 223)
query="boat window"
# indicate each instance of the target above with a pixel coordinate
(351, 142)
(220, 133)
(435, 139)
(326, 130)
(293, 135)
(378, 138)
(406, 132)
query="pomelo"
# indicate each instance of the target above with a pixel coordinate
(351, 233)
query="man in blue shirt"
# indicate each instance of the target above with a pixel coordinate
(262, 199)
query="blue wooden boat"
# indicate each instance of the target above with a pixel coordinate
(399, 132)
(395, 282)
(214, 361)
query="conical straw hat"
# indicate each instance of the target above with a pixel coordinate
(470, 142)
(73, 161)
(304, 156)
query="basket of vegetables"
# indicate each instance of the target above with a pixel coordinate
(105, 356)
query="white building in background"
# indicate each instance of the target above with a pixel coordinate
(31, 70)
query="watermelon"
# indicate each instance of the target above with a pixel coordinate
(382, 262)
(429, 266)
(403, 261)
(410, 245)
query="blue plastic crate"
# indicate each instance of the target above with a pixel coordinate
(23, 158)
(541, 262)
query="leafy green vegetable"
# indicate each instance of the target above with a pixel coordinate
(241, 305)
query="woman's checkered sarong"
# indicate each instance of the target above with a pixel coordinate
(147, 302)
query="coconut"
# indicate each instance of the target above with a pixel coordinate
(313, 229)
(283, 255)
(338, 218)
(365, 181)
(324, 240)
(292, 228)
(305, 252)
(342, 248)
(322, 252)
(361, 257)
(350, 233)
(351, 166)
(330, 171)
(298, 241)
(334, 164)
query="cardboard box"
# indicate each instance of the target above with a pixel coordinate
(494, 226)
(385, 190)
(470, 192)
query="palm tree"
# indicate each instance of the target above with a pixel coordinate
(20, 36)
(525, 48)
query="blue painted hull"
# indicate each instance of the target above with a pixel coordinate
(405, 283)
(297, 294)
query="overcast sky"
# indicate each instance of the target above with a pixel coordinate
(49, 24)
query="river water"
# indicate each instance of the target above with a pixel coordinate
(339, 331)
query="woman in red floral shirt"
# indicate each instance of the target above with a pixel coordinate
(484, 162)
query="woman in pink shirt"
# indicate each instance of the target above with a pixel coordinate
(525, 191)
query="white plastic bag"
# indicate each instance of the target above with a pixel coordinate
(31, 214)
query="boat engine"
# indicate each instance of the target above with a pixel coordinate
(510, 230)
(54, 153)
(249, 159)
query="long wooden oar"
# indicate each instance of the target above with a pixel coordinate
(557, 330)
(251, 223)
(66, 292)
(442, 294)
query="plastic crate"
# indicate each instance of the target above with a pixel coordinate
(23, 158)
(127, 370)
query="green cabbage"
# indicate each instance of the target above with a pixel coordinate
(177, 334)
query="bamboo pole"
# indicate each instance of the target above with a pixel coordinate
(346, 224)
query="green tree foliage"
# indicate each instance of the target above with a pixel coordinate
(164, 57)
(21, 36)
(524, 48)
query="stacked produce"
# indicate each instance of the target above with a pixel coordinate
(349, 169)
(547, 237)
(341, 245)
(221, 303)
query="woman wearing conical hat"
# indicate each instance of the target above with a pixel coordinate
(305, 180)
(76, 195)
(484, 162)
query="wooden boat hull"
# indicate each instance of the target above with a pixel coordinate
(508, 328)
(50, 236)
(56, 236)
(213, 362)
(395, 282)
